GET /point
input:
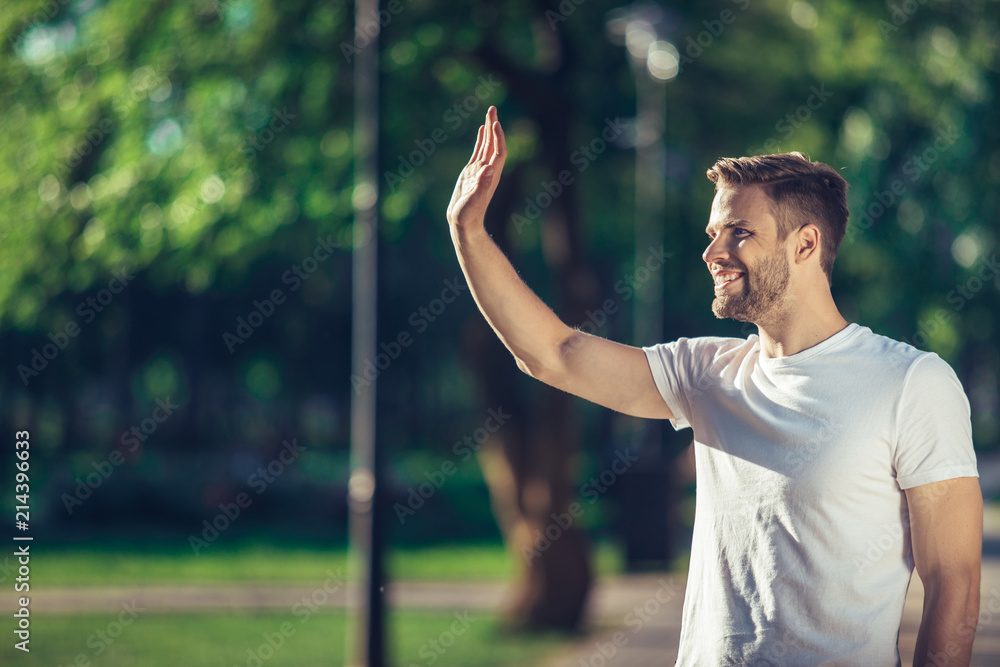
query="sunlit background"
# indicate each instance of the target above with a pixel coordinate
(175, 290)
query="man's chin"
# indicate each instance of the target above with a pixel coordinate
(726, 315)
(728, 309)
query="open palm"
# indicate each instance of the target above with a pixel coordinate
(478, 180)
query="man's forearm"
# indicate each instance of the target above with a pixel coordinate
(529, 328)
(948, 626)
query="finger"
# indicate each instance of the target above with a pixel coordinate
(489, 137)
(480, 141)
(500, 152)
(485, 150)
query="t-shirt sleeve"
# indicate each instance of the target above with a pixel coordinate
(933, 426)
(671, 368)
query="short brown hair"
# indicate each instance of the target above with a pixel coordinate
(802, 191)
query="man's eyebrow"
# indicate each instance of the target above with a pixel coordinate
(729, 224)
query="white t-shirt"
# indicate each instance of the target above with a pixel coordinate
(801, 551)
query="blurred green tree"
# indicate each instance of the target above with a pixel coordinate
(204, 147)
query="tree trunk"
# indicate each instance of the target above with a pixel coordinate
(530, 463)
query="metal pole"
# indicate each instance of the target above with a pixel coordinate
(650, 203)
(366, 631)
(650, 213)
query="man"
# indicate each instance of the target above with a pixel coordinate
(830, 461)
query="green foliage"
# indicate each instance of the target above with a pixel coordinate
(179, 138)
(206, 145)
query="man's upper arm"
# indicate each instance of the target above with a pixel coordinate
(936, 465)
(946, 529)
(611, 374)
(933, 426)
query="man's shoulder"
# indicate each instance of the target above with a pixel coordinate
(895, 362)
(878, 355)
(704, 346)
(885, 350)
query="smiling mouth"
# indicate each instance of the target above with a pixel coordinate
(724, 280)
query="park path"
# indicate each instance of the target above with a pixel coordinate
(644, 610)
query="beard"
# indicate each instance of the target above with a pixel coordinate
(763, 288)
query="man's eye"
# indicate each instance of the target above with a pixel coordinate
(740, 232)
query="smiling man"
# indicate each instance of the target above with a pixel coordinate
(831, 461)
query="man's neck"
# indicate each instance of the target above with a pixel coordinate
(799, 326)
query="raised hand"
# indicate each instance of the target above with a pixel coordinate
(478, 180)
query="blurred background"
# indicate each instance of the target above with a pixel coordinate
(175, 293)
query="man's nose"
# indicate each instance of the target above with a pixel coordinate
(716, 250)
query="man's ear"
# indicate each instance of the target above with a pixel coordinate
(807, 243)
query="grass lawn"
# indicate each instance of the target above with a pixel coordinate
(239, 639)
(258, 562)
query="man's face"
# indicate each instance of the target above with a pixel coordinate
(745, 257)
